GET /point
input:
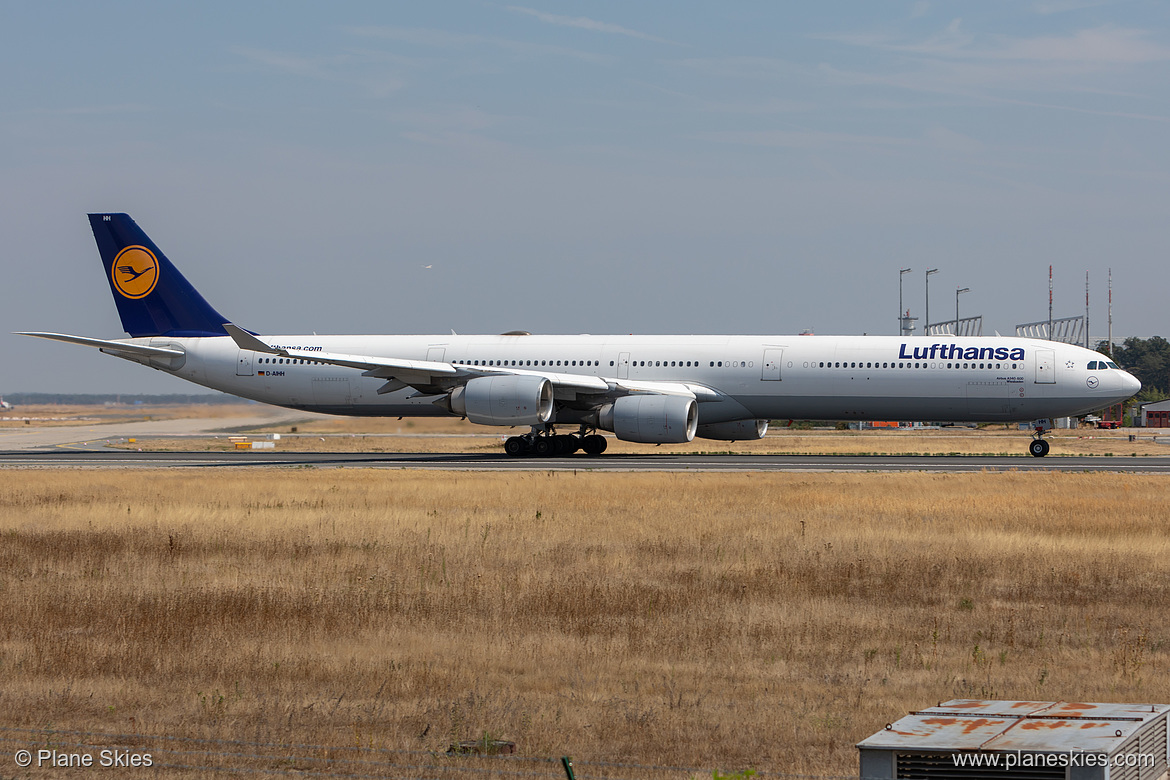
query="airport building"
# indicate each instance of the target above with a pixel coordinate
(1156, 415)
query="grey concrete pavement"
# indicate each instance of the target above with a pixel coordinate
(33, 437)
(121, 459)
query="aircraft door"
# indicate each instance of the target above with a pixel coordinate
(623, 365)
(244, 363)
(772, 358)
(435, 354)
(1045, 366)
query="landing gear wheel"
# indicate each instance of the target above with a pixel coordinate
(515, 446)
(569, 444)
(593, 444)
(558, 445)
(543, 446)
(1038, 448)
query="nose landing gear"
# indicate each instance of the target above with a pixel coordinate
(1039, 447)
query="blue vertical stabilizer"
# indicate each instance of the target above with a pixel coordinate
(152, 296)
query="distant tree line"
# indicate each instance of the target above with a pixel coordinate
(81, 399)
(1148, 360)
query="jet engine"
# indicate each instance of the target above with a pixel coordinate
(504, 400)
(736, 430)
(651, 419)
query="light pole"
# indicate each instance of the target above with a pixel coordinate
(930, 271)
(959, 291)
(901, 314)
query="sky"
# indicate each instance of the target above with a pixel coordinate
(582, 167)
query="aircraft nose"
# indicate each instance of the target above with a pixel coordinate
(1131, 383)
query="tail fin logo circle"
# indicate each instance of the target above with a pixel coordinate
(135, 272)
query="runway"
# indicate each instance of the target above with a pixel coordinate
(120, 459)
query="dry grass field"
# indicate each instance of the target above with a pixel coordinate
(719, 621)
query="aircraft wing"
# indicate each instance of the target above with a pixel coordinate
(429, 375)
(386, 367)
(700, 393)
(105, 345)
(422, 374)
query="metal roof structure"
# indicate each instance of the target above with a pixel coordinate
(1043, 726)
(967, 326)
(1068, 330)
(928, 745)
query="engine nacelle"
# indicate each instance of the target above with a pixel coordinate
(504, 400)
(651, 419)
(736, 430)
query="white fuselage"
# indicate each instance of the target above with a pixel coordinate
(753, 377)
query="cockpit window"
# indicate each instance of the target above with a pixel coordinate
(1111, 364)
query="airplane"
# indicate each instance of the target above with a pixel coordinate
(4, 404)
(648, 389)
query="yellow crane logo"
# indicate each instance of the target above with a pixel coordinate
(135, 272)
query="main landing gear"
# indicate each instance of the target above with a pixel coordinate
(543, 441)
(1038, 448)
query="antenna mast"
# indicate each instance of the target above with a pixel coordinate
(1086, 309)
(1111, 313)
(903, 316)
(1049, 302)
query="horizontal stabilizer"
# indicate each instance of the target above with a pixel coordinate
(110, 346)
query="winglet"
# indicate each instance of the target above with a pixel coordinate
(245, 340)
